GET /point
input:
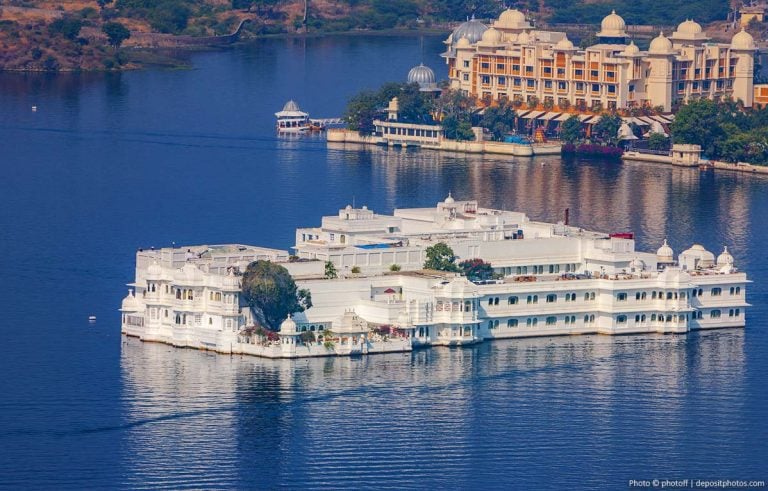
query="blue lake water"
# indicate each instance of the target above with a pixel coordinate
(110, 163)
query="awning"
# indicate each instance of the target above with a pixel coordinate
(549, 116)
(563, 117)
(594, 120)
(633, 120)
(533, 114)
(584, 117)
(661, 119)
(647, 120)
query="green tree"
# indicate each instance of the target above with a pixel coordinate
(699, 123)
(361, 110)
(476, 269)
(606, 131)
(330, 270)
(440, 257)
(571, 130)
(67, 26)
(116, 33)
(657, 141)
(394, 268)
(271, 293)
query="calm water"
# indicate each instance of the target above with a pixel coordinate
(111, 163)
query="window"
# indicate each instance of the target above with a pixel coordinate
(570, 319)
(500, 66)
(716, 292)
(596, 88)
(502, 80)
(486, 79)
(547, 84)
(512, 323)
(517, 82)
(669, 295)
(512, 301)
(551, 320)
(466, 63)
(530, 83)
(532, 299)
(551, 298)
(738, 290)
(621, 297)
(611, 89)
(531, 321)
(589, 318)
(548, 70)
(621, 319)
(637, 295)
(594, 73)
(485, 65)
(466, 77)
(653, 295)
(589, 296)
(715, 314)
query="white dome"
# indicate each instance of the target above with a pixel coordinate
(449, 199)
(524, 38)
(612, 26)
(491, 36)
(130, 303)
(422, 75)
(665, 253)
(512, 19)
(704, 258)
(288, 326)
(564, 44)
(725, 258)
(689, 27)
(637, 264)
(631, 49)
(459, 287)
(472, 30)
(743, 40)
(463, 42)
(660, 45)
(154, 271)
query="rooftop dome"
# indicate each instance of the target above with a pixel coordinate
(154, 271)
(743, 40)
(189, 274)
(612, 26)
(725, 258)
(631, 49)
(491, 36)
(130, 304)
(564, 44)
(463, 42)
(288, 326)
(689, 27)
(665, 253)
(701, 257)
(291, 106)
(637, 264)
(472, 30)
(512, 19)
(421, 75)
(660, 45)
(449, 199)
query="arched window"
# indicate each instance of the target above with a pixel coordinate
(551, 298)
(716, 292)
(621, 319)
(621, 297)
(738, 290)
(551, 320)
(715, 314)
(511, 322)
(512, 300)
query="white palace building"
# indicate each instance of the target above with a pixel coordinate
(554, 279)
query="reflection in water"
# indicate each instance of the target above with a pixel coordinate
(443, 416)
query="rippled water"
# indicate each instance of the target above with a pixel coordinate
(111, 163)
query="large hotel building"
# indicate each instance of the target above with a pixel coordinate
(512, 60)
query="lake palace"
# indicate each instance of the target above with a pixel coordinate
(552, 279)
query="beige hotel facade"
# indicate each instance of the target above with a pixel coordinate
(512, 60)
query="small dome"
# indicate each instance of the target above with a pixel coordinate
(725, 258)
(564, 44)
(189, 274)
(291, 106)
(703, 258)
(660, 45)
(130, 303)
(689, 27)
(743, 40)
(665, 253)
(491, 36)
(631, 49)
(288, 326)
(637, 264)
(512, 19)
(463, 42)
(449, 200)
(524, 38)
(154, 271)
(459, 287)
(612, 26)
(472, 30)
(421, 75)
